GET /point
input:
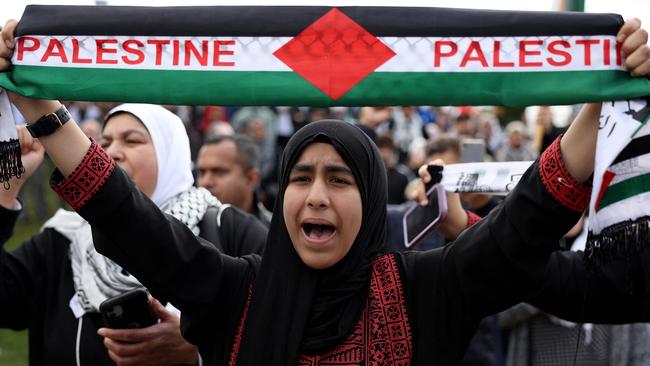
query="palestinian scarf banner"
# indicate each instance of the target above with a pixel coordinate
(318, 56)
(619, 219)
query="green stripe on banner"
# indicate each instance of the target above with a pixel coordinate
(288, 88)
(625, 189)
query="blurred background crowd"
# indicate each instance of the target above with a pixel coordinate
(407, 136)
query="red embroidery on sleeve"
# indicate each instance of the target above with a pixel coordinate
(559, 183)
(240, 330)
(87, 178)
(472, 218)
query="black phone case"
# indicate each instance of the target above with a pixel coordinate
(417, 220)
(129, 310)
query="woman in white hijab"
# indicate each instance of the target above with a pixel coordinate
(61, 268)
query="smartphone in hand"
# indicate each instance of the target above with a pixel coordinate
(419, 221)
(128, 311)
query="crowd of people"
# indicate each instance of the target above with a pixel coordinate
(270, 236)
(248, 141)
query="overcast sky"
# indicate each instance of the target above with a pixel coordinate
(627, 8)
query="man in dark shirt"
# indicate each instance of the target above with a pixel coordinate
(228, 168)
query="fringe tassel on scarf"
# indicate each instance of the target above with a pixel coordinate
(619, 240)
(10, 163)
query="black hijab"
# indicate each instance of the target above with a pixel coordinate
(298, 310)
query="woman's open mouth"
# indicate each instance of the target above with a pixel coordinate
(318, 233)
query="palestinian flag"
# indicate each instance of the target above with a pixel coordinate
(318, 56)
(619, 220)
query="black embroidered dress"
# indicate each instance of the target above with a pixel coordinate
(422, 307)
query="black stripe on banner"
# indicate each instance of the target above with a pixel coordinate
(445, 22)
(637, 147)
(167, 21)
(276, 21)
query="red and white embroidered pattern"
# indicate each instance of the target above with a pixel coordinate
(87, 178)
(383, 335)
(559, 183)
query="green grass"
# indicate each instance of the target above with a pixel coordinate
(13, 348)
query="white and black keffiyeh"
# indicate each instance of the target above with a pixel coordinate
(97, 278)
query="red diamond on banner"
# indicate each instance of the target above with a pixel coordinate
(334, 53)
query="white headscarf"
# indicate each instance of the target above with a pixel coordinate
(172, 148)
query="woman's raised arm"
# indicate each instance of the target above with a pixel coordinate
(578, 144)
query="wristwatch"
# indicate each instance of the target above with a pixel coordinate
(49, 123)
